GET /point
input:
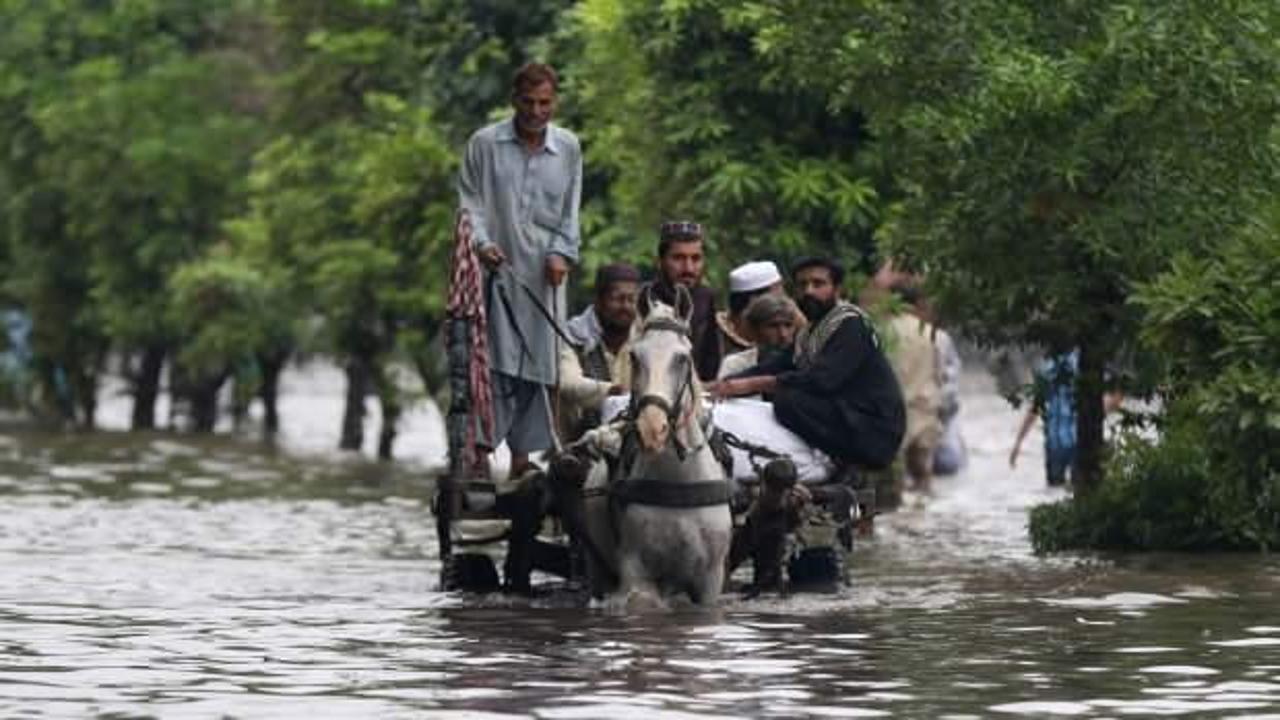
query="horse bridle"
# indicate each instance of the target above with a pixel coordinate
(663, 492)
(674, 408)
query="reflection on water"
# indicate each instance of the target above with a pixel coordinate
(172, 577)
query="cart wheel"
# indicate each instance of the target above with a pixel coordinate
(469, 572)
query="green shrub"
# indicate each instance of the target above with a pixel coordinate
(1176, 493)
(1212, 479)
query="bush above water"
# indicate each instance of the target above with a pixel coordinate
(1176, 493)
(1212, 480)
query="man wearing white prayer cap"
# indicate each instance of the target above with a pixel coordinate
(746, 282)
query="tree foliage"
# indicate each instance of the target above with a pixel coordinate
(682, 117)
(130, 125)
(1049, 155)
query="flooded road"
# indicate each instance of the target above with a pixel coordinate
(170, 576)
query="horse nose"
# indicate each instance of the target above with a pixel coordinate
(654, 427)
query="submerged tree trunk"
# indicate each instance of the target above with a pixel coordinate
(204, 402)
(84, 382)
(146, 388)
(272, 364)
(1090, 415)
(358, 378)
(389, 401)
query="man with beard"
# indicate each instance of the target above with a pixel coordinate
(680, 261)
(520, 183)
(597, 364)
(837, 391)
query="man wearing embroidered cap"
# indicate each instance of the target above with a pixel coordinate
(521, 182)
(746, 282)
(680, 262)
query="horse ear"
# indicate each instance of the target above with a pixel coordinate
(684, 304)
(645, 303)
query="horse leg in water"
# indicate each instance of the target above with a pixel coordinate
(705, 588)
(682, 551)
(636, 590)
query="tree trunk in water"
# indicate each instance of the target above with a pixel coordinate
(85, 387)
(89, 404)
(204, 403)
(358, 376)
(1090, 415)
(272, 365)
(147, 388)
(389, 400)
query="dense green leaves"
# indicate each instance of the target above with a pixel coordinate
(683, 118)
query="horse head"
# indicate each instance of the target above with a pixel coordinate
(664, 387)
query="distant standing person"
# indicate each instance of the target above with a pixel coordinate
(521, 183)
(914, 357)
(1055, 403)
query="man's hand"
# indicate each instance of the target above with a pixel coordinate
(737, 387)
(492, 256)
(557, 269)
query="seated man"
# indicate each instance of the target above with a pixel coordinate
(746, 283)
(680, 262)
(597, 364)
(770, 323)
(837, 391)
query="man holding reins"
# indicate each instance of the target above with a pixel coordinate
(521, 184)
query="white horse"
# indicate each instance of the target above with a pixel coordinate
(663, 527)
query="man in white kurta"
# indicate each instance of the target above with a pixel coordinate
(521, 182)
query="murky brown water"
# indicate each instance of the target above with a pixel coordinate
(169, 576)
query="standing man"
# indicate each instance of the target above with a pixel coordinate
(680, 261)
(521, 183)
(914, 357)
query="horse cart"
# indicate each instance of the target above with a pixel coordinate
(669, 498)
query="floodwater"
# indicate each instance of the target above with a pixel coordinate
(170, 576)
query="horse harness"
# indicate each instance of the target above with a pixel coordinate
(653, 492)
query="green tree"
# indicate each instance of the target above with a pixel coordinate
(1049, 155)
(136, 122)
(356, 193)
(681, 116)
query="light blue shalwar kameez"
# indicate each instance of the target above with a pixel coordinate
(525, 202)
